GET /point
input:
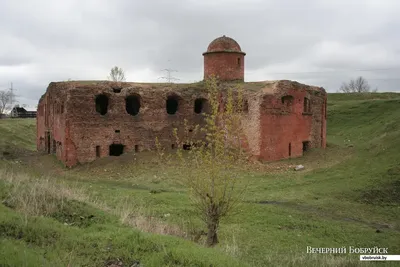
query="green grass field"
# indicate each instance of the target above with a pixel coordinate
(126, 210)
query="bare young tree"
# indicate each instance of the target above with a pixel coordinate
(117, 74)
(359, 85)
(5, 100)
(209, 160)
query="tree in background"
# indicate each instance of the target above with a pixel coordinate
(359, 85)
(5, 100)
(209, 160)
(117, 74)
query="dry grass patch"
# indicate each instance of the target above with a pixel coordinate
(37, 197)
(138, 217)
(51, 198)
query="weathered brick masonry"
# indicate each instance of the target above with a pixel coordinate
(224, 59)
(82, 121)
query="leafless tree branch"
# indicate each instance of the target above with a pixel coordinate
(5, 101)
(359, 85)
(117, 74)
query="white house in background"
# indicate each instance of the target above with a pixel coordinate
(23, 112)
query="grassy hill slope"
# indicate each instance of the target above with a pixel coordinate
(17, 134)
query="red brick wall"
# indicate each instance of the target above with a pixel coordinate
(51, 122)
(67, 111)
(283, 126)
(84, 129)
(225, 65)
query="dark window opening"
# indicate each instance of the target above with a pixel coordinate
(238, 62)
(306, 146)
(173, 146)
(187, 146)
(290, 149)
(132, 105)
(97, 151)
(306, 107)
(136, 148)
(172, 105)
(116, 149)
(117, 90)
(102, 104)
(190, 130)
(199, 105)
(117, 131)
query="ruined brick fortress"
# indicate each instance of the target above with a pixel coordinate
(80, 121)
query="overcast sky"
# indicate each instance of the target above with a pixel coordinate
(312, 41)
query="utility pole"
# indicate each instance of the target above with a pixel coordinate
(12, 95)
(169, 77)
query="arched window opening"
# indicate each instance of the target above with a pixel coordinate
(102, 104)
(172, 105)
(238, 62)
(200, 105)
(132, 105)
(307, 106)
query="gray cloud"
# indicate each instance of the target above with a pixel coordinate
(313, 41)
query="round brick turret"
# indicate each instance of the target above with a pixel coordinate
(224, 59)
